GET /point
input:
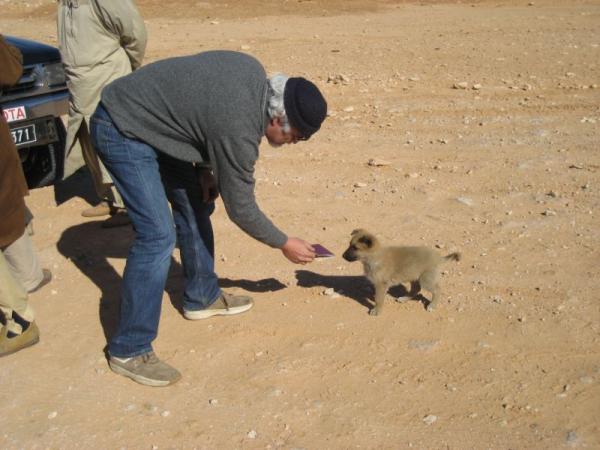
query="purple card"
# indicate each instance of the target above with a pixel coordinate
(321, 252)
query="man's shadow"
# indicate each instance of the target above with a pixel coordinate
(79, 184)
(357, 288)
(89, 247)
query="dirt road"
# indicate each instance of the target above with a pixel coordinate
(486, 118)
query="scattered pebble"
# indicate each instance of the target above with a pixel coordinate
(165, 413)
(378, 162)
(338, 79)
(360, 184)
(430, 419)
(52, 415)
(461, 85)
(213, 401)
(423, 344)
(465, 201)
(252, 434)
(572, 439)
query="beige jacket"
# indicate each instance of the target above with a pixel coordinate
(99, 41)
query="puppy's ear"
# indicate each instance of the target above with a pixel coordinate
(366, 240)
(357, 231)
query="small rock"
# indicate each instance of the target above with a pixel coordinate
(378, 162)
(461, 85)
(252, 434)
(349, 109)
(549, 212)
(245, 47)
(572, 439)
(360, 184)
(329, 291)
(477, 86)
(430, 419)
(422, 345)
(52, 415)
(465, 201)
(213, 401)
(338, 79)
(275, 392)
(165, 413)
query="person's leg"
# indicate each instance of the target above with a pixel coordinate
(194, 233)
(24, 264)
(134, 169)
(13, 297)
(20, 330)
(202, 296)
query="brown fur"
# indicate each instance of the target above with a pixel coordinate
(388, 266)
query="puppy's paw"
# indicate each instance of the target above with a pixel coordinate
(374, 312)
(402, 299)
(430, 307)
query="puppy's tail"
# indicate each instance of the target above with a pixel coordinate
(453, 257)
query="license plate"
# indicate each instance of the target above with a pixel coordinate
(14, 114)
(24, 135)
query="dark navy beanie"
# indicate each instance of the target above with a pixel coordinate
(304, 105)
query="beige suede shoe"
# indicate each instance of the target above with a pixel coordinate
(101, 209)
(28, 338)
(145, 369)
(225, 305)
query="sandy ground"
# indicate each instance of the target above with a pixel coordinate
(504, 170)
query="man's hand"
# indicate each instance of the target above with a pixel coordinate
(210, 191)
(298, 251)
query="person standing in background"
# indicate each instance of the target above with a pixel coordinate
(99, 41)
(17, 317)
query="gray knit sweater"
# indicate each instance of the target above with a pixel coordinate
(211, 108)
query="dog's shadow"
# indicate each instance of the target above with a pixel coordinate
(358, 288)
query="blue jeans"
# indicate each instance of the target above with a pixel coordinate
(134, 167)
(194, 232)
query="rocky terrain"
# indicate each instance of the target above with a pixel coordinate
(463, 126)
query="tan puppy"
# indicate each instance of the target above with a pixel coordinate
(388, 266)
